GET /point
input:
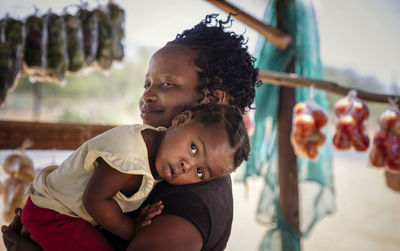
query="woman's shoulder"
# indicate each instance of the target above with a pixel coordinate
(207, 205)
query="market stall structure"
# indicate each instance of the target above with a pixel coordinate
(47, 135)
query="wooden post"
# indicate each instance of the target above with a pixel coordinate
(287, 161)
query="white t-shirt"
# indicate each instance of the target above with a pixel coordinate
(60, 188)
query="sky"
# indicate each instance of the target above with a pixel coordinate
(360, 34)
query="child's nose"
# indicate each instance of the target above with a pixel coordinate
(185, 166)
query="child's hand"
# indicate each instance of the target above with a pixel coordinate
(147, 214)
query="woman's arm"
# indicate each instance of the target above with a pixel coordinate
(14, 238)
(167, 232)
(98, 200)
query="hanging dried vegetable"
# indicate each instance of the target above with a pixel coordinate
(14, 35)
(104, 56)
(90, 34)
(5, 70)
(46, 47)
(57, 58)
(117, 16)
(11, 43)
(35, 46)
(75, 49)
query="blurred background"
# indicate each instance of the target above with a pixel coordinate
(360, 48)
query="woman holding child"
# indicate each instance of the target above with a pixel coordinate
(205, 64)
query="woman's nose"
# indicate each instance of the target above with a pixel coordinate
(149, 96)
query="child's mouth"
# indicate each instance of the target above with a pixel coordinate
(168, 172)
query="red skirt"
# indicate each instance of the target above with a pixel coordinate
(55, 231)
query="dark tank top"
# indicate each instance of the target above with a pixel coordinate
(208, 206)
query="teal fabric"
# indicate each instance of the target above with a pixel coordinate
(316, 186)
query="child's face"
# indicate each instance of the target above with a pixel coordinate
(171, 84)
(192, 152)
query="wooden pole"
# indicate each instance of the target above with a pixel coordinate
(292, 80)
(287, 161)
(275, 36)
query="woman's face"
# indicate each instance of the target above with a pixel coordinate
(171, 84)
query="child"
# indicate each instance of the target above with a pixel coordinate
(114, 172)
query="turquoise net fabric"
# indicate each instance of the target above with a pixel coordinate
(316, 188)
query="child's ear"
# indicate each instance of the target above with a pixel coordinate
(182, 118)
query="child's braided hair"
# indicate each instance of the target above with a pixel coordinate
(223, 58)
(230, 119)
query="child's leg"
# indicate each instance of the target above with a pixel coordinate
(54, 231)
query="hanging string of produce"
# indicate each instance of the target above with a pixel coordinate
(11, 53)
(47, 47)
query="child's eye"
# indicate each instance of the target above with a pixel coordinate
(193, 148)
(199, 173)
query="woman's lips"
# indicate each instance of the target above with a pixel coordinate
(151, 109)
(147, 111)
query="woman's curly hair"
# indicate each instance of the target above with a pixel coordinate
(224, 59)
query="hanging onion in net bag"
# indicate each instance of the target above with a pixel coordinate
(308, 122)
(386, 145)
(18, 173)
(352, 114)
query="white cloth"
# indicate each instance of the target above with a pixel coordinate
(60, 188)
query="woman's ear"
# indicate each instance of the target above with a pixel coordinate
(218, 97)
(182, 118)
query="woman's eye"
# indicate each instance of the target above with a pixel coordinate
(193, 148)
(166, 84)
(199, 173)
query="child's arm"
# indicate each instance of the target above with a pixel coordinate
(98, 200)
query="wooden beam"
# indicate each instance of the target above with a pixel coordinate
(275, 36)
(60, 136)
(293, 80)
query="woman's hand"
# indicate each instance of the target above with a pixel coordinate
(15, 236)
